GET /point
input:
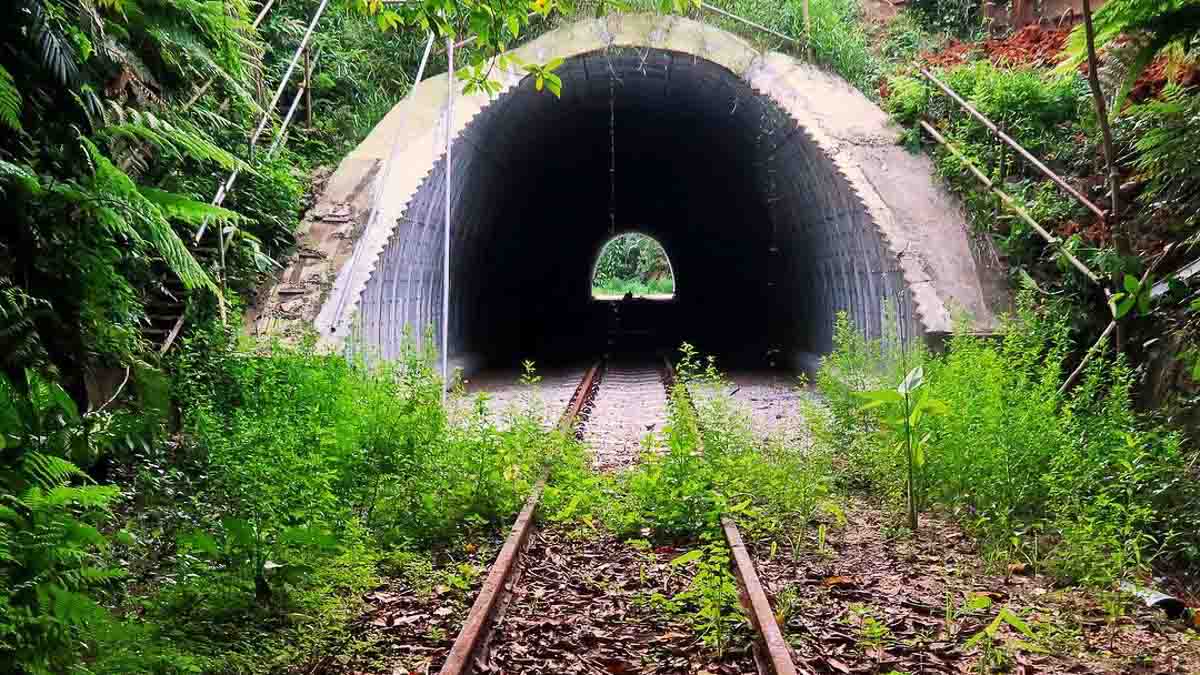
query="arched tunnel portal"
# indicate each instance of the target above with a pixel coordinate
(778, 193)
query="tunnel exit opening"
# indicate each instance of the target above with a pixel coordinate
(632, 266)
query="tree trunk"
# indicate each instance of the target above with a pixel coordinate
(1120, 236)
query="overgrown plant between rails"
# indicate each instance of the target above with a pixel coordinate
(1076, 483)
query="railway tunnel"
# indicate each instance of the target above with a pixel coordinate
(778, 193)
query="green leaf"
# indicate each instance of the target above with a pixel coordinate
(553, 64)
(977, 602)
(1131, 284)
(686, 558)
(1015, 621)
(881, 395)
(738, 508)
(199, 541)
(10, 101)
(913, 380)
(239, 532)
(1127, 302)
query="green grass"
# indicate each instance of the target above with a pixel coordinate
(619, 287)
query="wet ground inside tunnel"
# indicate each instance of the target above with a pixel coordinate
(767, 240)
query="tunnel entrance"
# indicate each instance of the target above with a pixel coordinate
(760, 221)
(632, 266)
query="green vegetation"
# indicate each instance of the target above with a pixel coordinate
(1075, 482)
(225, 507)
(635, 264)
(245, 545)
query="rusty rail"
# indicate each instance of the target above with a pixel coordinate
(752, 596)
(754, 599)
(500, 580)
(991, 126)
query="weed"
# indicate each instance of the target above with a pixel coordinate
(710, 601)
(1076, 483)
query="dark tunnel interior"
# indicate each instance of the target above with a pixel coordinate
(766, 239)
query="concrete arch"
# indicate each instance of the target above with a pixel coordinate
(850, 219)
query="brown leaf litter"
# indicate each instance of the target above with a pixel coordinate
(873, 603)
(580, 607)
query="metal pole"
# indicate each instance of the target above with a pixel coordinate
(1016, 146)
(307, 90)
(1011, 203)
(748, 22)
(446, 229)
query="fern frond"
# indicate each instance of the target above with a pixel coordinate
(124, 209)
(188, 210)
(1166, 23)
(19, 174)
(56, 51)
(177, 140)
(38, 499)
(181, 50)
(10, 101)
(49, 472)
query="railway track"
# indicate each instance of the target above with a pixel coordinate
(544, 605)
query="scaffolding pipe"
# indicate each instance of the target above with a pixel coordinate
(1011, 203)
(223, 191)
(991, 126)
(750, 23)
(446, 229)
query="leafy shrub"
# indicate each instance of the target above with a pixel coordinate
(633, 263)
(1077, 481)
(840, 41)
(906, 37)
(706, 463)
(956, 17)
(50, 541)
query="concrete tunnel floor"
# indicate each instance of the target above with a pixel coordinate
(766, 238)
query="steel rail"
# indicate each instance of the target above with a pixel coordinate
(500, 580)
(752, 596)
(991, 126)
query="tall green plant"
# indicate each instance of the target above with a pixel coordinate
(912, 403)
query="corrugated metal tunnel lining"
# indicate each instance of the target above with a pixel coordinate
(767, 239)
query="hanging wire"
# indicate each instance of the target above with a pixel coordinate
(612, 156)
